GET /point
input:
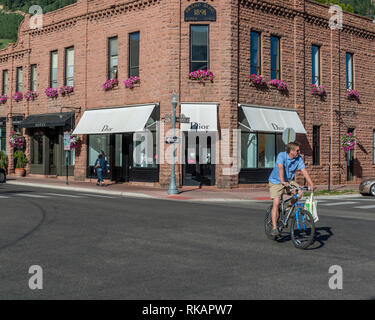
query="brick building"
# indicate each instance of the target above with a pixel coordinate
(161, 42)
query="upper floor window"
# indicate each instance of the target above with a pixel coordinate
(33, 77)
(19, 79)
(349, 71)
(53, 71)
(316, 145)
(134, 54)
(275, 57)
(315, 58)
(112, 58)
(199, 48)
(4, 88)
(255, 51)
(69, 67)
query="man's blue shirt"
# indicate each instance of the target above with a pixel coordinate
(290, 167)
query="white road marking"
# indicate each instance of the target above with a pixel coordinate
(63, 195)
(4, 197)
(96, 195)
(338, 203)
(29, 195)
(366, 207)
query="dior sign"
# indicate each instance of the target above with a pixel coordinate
(276, 127)
(106, 128)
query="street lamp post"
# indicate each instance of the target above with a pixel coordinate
(172, 186)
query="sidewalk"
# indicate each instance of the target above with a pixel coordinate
(187, 193)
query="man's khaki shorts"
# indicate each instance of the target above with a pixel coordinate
(277, 190)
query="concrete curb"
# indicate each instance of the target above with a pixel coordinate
(78, 189)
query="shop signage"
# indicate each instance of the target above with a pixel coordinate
(276, 127)
(200, 12)
(66, 141)
(106, 128)
(198, 126)
(39, 125)
(172, 140)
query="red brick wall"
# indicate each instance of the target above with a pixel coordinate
(164, 68)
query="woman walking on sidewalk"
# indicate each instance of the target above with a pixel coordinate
(99, 166)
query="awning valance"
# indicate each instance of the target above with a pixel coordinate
(48, 120)
(203, 117)
(272, 119)
(114, 120)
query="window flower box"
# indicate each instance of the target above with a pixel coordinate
(201, 76)
(18, 96)
(52, 93)
(352, 94)
(348, 141)
(110, 84)
(258, 81)
(318, 91)
(31, 95)
(280, 85)
(66, 90)
(3, 99)
(129, 83)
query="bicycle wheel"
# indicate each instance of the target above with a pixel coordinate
(302, 229)
(268, 223)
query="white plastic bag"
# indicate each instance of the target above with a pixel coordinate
(311, 205)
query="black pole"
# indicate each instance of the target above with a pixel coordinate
(329, 166)
(67, 167)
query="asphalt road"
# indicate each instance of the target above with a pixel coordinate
(106, 247)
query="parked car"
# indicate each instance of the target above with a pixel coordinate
(3, 176)
(367, 187)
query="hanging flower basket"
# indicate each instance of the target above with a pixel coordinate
(280, 85)
(110, 84)
(31, 95)
(51, 93)
(348, 142)
(66, 90)
(3, 99)
(74, 141)
(129, 83)
(318, 91)
(202, 75)
(257, 81)
(352, 94)
(16, 140)
(18, 96)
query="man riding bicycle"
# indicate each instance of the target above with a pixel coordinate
(282, 176)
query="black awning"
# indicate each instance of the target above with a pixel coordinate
(48, 120)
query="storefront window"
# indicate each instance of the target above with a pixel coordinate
(259, 150)
(99, 143)
(3, 139)
(144, 149)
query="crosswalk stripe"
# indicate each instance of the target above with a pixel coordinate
(96, 195)
(29, 195)
(63, 195)
(338, 203)
(366, 207)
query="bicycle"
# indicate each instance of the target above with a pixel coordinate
(302, 227)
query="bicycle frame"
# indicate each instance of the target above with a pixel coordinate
(297, 205)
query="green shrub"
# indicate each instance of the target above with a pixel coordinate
(3, 160)
(20, 158)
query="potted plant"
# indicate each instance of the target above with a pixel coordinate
(18, 96)
(31, 95)
(129, 83)
(66, 90)
(51, 93)
(21, 162)
(110, 84)
(202, 75)
(280, 85)
(258, 81)
(352, 95)
(3, 99)
(318, 91)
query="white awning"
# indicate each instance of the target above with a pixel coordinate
(114, 120)
(272, 119)
(203, 117)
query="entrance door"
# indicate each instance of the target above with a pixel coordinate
(53, 145)
(198, 167)
(350, 162)
(121, 156)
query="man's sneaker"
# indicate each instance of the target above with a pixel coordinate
(275, 233)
